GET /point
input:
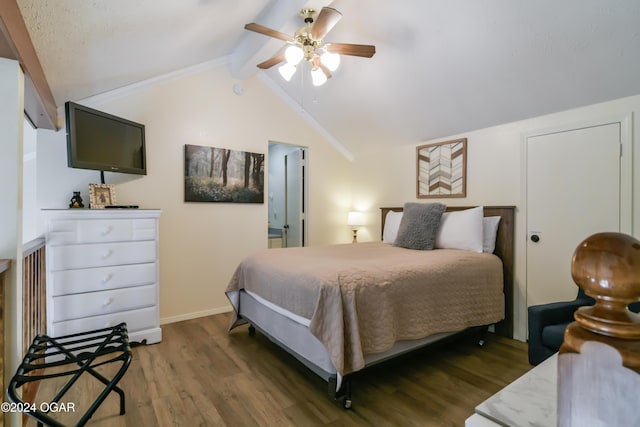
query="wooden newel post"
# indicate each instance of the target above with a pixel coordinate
(599, 361)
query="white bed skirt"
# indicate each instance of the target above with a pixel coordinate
(291, 332)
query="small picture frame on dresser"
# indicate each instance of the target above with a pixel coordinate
(101, 195)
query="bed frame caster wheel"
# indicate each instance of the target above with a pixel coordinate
(482, 339)
(252, 330)
(346, 403)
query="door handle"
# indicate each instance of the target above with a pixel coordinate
(535, 238)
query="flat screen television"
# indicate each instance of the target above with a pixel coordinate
(100, 141)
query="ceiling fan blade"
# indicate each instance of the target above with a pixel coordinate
(364, 50)
(268, 32)
(274, 60)
(326, 20)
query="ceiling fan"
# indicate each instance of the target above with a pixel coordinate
(308, 43)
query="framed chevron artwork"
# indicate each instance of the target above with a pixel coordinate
(441, 169)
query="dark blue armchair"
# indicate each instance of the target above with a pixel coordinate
(547, 323)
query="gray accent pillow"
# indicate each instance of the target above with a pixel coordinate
(419, 225)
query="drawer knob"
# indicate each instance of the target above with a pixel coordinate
(106, 278)
(107, 230)
(107, 254)
(107, 302)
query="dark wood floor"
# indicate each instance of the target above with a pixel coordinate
(202, 375)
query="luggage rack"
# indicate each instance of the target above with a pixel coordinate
(82, 352)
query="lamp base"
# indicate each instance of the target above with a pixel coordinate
(355, 237)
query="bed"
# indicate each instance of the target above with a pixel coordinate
(341, 308)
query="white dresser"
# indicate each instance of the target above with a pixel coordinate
(102, 269)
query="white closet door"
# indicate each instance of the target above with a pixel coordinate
(573, 191)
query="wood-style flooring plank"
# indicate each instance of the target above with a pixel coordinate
(203, 375)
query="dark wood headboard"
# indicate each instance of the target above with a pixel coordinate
(504, 250)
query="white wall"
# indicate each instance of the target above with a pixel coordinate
(29, 184)
(202, 243)
(11, 130)
(494, 177)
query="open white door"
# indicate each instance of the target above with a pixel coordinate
(294, 230)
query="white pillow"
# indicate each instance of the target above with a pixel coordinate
(391, 224)
(461, 230)
(490, 231)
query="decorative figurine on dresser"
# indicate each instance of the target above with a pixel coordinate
(76, 200)
(599, 360)
(103, 269)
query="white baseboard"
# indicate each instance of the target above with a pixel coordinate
(194, 315)
(151, 336)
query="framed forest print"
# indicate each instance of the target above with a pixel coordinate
(214, 174)
(441, 169)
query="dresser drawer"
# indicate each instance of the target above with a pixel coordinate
(136, 320)
(62, 232)
(77, 306)
(65, 282)
(100, 255)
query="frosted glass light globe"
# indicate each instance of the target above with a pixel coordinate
(330, 60)
(317, 77)
(287, 71)
(293, 54)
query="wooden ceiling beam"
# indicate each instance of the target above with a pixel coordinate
(15, 43)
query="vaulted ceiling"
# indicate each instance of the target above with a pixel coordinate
(441, 67)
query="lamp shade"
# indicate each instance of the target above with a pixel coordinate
(355, 218)
(330, 60)
(294, 54)
(318, 77)
(287, 71)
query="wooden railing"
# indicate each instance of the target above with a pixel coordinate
(599, 360)
(34, 313)
(5, 264)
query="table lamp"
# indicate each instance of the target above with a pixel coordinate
(355, 219)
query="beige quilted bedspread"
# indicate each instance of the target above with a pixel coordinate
(362, 298)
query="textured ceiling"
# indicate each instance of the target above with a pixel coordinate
(441, 67)
(92, 46)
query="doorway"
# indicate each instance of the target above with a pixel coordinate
(578, 182)
(288, 195)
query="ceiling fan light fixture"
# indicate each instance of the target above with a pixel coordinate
(318, 77)
(330, 60)
(293, 54)
(308, 43)
(287, 71)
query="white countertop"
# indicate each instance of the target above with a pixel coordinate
(529, 401)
